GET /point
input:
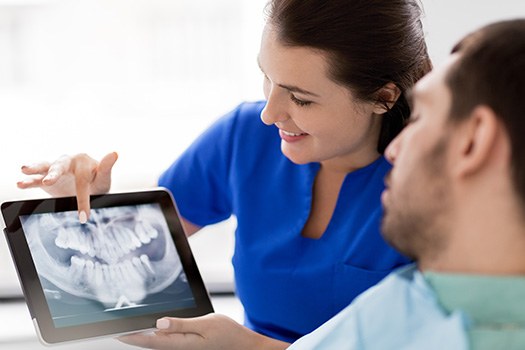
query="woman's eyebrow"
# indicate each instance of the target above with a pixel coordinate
(291, 88)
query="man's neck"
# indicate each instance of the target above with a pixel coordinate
(489, 239)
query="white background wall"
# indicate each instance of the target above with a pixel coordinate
(144, 77)
(447, 21)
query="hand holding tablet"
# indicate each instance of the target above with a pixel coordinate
(129, 265)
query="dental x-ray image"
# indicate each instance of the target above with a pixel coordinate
(122, 262)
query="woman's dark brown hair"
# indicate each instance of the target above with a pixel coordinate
(370, 43)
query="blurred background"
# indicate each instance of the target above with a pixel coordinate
(144, 78)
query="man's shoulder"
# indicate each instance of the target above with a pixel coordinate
(404, 309)
(402, 284)
(401, 312)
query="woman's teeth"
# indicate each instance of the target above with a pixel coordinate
(292, 133)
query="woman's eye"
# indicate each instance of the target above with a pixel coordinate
(299, 102)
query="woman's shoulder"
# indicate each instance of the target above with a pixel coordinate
(245, 125)
(250, 108)
(246, 112)
(240, 122)
(247, 115)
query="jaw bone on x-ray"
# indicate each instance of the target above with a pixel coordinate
(120, 256)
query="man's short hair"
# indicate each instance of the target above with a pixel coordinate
(491, 71)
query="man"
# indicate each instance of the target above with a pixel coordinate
(455, 202)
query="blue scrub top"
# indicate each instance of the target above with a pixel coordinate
(288, 284)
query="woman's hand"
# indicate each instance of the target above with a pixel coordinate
(212, 331)
(78, 175)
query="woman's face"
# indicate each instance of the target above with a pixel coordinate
(319, 120)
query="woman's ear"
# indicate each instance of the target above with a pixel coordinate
(478, 141)
(386, 98)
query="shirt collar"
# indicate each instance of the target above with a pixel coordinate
(493, 301)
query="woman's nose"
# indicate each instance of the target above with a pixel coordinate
(275, 109)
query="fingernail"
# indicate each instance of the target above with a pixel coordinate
(82, 217)
(47, 178)
(163, 323)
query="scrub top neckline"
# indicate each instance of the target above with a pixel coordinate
(314, 169)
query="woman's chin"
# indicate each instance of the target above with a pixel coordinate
(296, 157)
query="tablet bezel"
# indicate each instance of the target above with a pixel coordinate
(32, 288)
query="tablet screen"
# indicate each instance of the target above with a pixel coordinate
(130, 261)
(122, 262)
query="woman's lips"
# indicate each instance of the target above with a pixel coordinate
(291, 136)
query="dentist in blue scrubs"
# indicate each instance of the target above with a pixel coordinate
(301, 171)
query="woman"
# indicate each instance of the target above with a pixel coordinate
(304, 184)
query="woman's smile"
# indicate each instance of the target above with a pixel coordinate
(291, 136)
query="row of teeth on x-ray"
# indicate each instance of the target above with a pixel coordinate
(111, 244)
(135, 270)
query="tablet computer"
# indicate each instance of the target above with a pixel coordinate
(129, 265)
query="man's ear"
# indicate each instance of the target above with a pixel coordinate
(386, 98)
(477, 141)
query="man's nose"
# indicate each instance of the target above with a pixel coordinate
(393, 148)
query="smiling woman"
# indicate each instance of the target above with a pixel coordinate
(305, 183)
(305, 188)
(309, 107)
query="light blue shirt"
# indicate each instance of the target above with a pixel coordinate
(401, 312)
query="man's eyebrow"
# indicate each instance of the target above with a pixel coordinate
(291, 88)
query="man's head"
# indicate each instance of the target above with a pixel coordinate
(459, 166)
(491, 72)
